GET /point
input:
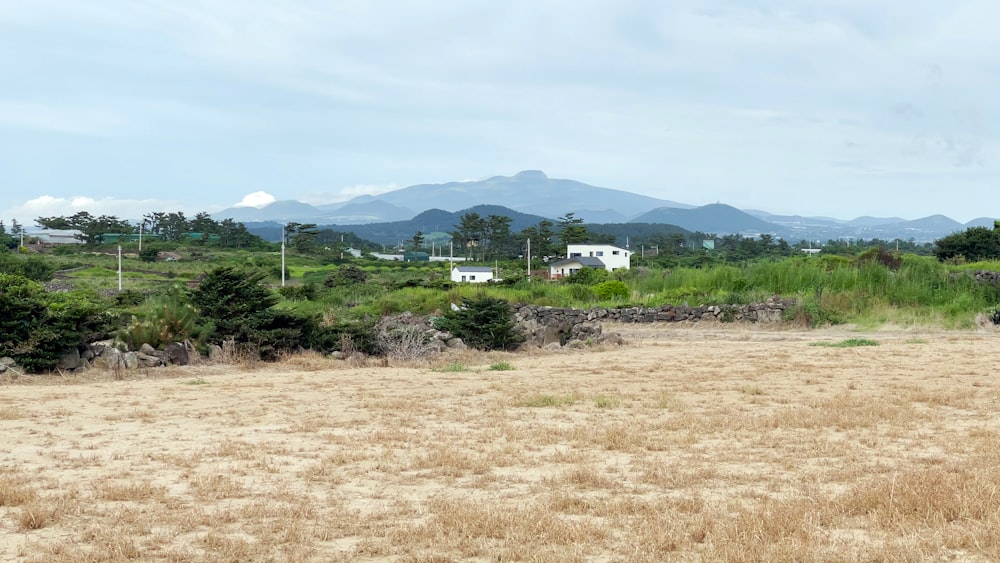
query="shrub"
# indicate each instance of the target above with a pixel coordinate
(38, 328)
(587, 276)
(482, 322)
(891, 260)
(164, 319)
(611, 290)
(236, 303)
(346, 275)
(399, 338)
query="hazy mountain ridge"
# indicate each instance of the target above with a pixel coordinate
(533, 194)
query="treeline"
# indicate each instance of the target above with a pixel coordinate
(170, 227)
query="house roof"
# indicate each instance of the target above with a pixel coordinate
(474, 269)
(595, 246)
(588, 261)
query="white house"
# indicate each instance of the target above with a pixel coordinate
(570, 266)
(612, 257)
(471, 274)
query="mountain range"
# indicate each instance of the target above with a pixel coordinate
(531, 195)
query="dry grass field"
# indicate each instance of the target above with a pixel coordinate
(705, 443)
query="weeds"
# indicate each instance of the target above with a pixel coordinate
(538, 401)
(502, 366)
(849, 343)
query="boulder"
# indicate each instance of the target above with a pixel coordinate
(71, 360)
(147, 349)
(148, 360)
(456, 344)
(177, 354)
(130, 360)
(109, 358)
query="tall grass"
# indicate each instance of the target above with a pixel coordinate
(829, 289)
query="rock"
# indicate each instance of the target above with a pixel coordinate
(147, 349)
(338, 355)
(7, 361)
(611, 338)
(3, 368)
(576, 344)
(552, 334)
(87, 354)
(71, 360)
(456, 344)
(147, 360)
(109, 358)
(177, 354)
(553, 346)
(129, 360)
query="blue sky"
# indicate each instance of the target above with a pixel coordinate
(817, 107)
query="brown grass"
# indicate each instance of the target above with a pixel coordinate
(690, 444)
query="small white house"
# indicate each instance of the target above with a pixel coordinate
(569, 266)
(471, 274)
(612, 257)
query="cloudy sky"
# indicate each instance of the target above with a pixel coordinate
(817, 107)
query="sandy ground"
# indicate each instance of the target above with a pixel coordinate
(688, 443)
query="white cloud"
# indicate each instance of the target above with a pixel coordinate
(257, 199)
(130, 209)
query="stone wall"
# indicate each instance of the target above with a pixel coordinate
(547, 325)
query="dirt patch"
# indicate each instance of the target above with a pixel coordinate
(689, 443)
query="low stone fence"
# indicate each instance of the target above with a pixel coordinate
(547, 325)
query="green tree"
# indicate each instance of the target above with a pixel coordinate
(974, 244)
(38, 328)
(483, 322)
(572, 230)
(6, 241)
(301, 236)
(470, 234)
(236, 302)
(541, 236)
(417, 242)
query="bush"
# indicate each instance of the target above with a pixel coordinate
(587, 276)
(236, 303)
(31, 267)
(346, 275)
(483, 322)
(611, 290)
(164, 319)
(38, 328)
(399, 338)
(149, 254)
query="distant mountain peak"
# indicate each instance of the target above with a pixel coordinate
(531, 175)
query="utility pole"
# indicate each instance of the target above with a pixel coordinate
(119, 267)
(529, 259)
(283, 229)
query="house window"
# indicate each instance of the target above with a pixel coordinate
(600, 253)
(615, 252)
(472, 278)
(575, 254)
(463, 278)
